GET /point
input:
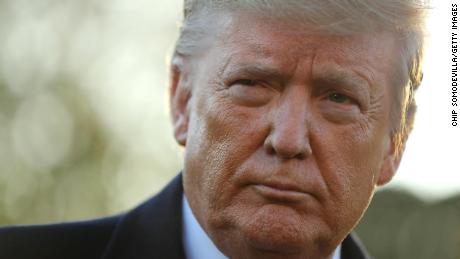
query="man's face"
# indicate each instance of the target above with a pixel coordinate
(286, 136)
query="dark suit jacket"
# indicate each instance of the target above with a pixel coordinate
(152, 230)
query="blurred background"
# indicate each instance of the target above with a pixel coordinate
(85, 132)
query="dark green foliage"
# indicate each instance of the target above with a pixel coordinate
(399, 225)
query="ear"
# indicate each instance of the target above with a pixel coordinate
(391, 160)
(180, 93)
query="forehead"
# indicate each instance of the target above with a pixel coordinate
(286, 44)
(234, 26)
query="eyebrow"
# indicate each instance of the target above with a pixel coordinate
(340, 76)
(331, 75)
(256, 69)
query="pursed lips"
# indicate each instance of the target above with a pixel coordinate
(281, 192)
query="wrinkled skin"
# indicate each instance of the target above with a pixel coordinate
(286, 136)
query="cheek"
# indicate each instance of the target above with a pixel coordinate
(349, 160)
(220, 140)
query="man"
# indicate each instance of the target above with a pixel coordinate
(291, 113)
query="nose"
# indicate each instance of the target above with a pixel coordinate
(288, 137)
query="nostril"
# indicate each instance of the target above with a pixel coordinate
(269, 147)
(301, 156)
(286, 151)
(286, 148)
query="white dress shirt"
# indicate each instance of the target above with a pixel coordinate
(197, 244)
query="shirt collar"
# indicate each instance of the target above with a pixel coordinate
(197, 244)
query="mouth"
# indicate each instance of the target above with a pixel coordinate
(278, 192)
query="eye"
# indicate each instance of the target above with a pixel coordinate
(249, 92)
(246, 82)
(339, 98)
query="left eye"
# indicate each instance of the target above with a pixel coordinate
(339, 98)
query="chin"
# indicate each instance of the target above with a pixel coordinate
(277, 231)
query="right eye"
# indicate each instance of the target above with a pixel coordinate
(250, 92)
(246, 82)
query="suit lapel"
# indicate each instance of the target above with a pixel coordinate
(152, 230)
(353, 249)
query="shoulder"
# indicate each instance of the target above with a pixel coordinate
(84, 239)
(151, 230)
